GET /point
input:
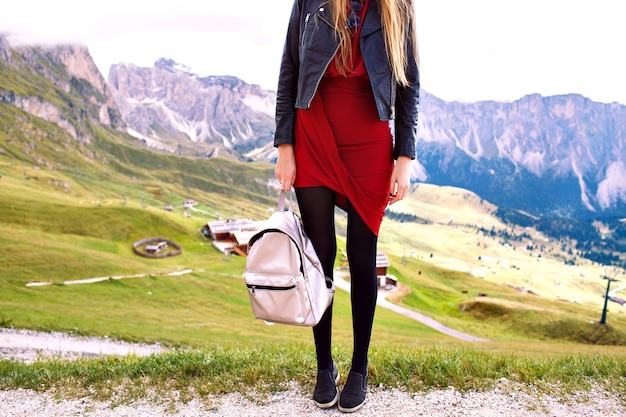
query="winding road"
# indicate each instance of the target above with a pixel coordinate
(383, 302)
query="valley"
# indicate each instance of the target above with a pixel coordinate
(54, 235)
(457, 238)
(77, 189)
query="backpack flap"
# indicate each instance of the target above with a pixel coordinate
(272, 251)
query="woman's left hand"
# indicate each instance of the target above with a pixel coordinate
(400, 179)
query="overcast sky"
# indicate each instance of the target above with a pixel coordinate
(470, 49)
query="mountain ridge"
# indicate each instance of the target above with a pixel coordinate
(169, 100)
(558, 155)
(67, 137)
(566, 150)
(62, 70)
(565, 139)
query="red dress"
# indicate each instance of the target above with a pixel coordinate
(341, 143)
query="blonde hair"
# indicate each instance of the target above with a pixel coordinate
(398, 21)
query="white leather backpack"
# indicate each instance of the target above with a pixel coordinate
(284, 277)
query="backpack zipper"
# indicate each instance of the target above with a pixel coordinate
(269, 288)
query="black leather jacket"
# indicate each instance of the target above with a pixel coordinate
(310, 47)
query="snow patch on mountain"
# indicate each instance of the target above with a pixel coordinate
(585, 193)
(613, 187)
(533, 161)
(171, 100)
(260, 104)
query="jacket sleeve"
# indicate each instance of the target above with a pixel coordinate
(288, 80)
(407, 106)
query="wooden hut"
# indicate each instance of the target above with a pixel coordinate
(384, 279)
(230, 235)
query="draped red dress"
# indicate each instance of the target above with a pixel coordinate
(341, 143)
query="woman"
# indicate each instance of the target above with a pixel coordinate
(348, 69)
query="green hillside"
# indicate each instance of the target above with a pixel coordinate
(85, 228)
(72, 205)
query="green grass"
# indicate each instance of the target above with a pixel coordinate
(269, 367)
(503, 314)
(58, 236)
(71, 209)
(221, 348)
(199, 309)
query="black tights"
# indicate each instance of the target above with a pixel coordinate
(317, 208)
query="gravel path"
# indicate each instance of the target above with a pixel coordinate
(501, 401)
(506, 399)
(27, 345)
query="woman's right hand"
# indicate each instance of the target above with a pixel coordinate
(286, 166)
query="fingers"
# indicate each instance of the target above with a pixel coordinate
(399, 193)
(285, 185)
(400, 180)
(286, 167)
(286, 175)
(394, 198)
(285, 181)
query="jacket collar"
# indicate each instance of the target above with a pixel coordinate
(372, 22)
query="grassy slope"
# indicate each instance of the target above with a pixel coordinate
(209, 310)
(86, 228)
(523, 300)
(52, 236)
(71, 210)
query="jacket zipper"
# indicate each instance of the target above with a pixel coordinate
(306, 24)
(319, 80)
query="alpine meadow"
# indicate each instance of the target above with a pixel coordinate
(80, 184)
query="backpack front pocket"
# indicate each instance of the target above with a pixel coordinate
(275, 298)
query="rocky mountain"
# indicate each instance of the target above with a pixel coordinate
(169, 102)
(563, 155)
(59, 84)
